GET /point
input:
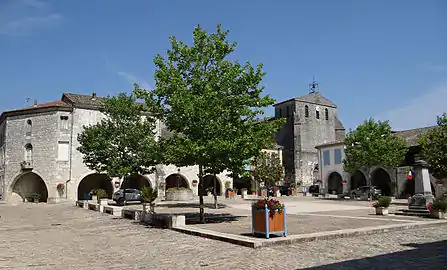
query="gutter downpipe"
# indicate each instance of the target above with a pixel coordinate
(71, 152)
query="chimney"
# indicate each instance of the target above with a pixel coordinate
(35, 103)
(93, 96)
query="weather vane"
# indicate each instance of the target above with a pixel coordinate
(314, 86)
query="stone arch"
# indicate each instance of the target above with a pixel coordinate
(208, 182)
(381, 179)
(358, 179)
(94, 181)
(28, 183)
(335, 183)
(176, 180)
(136, 181)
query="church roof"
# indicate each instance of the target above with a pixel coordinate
(411, 136)
(83, 101)
(314, 98)
(338, 124)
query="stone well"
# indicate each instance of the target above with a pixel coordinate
(179, 194)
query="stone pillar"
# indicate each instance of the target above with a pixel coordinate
(422, 178)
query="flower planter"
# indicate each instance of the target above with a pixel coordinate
(382, 211)
(438, 214)
(94, 198)
(292, 192)
(35, 200)
(103, 201)
(209, 194)
(229, 195)
(266, 224)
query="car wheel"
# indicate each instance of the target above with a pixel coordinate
(120, 201)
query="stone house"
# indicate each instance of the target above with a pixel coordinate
(38, 151)
(312, 120)
(392, 181)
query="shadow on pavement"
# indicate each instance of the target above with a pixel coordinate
(191, 205)
(423, 256)
(194, 218)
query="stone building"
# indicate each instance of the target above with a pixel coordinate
(38, 151)
(312, 120)
(392, 181)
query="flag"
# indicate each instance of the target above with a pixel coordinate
(410, 175)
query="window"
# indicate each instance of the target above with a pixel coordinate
(337, 156)
(306, 111)
(326, 114)
(29, 126)
(326, 158)
(63, 151)
(317, 114)
(28, 152)
(64, 122)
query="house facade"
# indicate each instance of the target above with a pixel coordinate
(392, 181)
(38, 153)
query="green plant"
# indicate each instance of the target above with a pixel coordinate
(148, 194)
(100, 193)
(293, 185)
(382, 201)
(440, 205)
(34, 196)
(227, 185)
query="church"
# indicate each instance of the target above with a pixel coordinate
(312, 120)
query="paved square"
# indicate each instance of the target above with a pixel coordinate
(66, 237)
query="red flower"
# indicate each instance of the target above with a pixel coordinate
(430, 207)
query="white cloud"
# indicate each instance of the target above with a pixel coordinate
(24, 17)
(132, 79)
(418, 112)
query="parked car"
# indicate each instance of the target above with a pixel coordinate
(123, 196)
(284, 190)
(369, 191)
(314, 189)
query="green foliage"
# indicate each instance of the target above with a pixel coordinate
(440, 205)
(268, 169)
(211, 105)
(101, 194)
(434, 147)
(34, 196)
(382, 201)
(123, 142)
(373, 144)
(178, 189)
(148, 194)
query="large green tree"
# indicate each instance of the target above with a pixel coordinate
(123, 142)
(373, 144)
(211, 104)
(434, 147)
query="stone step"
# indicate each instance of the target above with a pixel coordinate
(416, 211)
(412, 214)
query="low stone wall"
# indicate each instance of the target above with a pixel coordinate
(179, 195)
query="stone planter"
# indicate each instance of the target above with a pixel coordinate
(148, 212)
(36, 200)
(94, 198)
(244, 194)
(209, 194)
(103, 201)
(264, 223)
(179, 195)
(382, 211)
(438, 214)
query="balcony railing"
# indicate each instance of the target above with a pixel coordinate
(26, 165)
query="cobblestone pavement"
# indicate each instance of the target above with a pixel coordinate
(66, 237)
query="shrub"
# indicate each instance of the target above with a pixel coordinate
(149, 194)
(440, 205)
(101, 193)
(382, 201)
(272, 205)
(34, 196)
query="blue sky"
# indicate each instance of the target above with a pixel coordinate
(382, 59)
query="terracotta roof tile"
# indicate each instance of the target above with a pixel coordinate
(411, 136)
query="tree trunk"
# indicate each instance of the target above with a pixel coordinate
(215, 190)
(202, 211)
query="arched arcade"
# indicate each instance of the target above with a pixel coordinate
(27, 184)
(94, 181)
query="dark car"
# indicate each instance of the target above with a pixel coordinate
(123, 196)
(284, 190)
(369, 191)
(314, 189)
